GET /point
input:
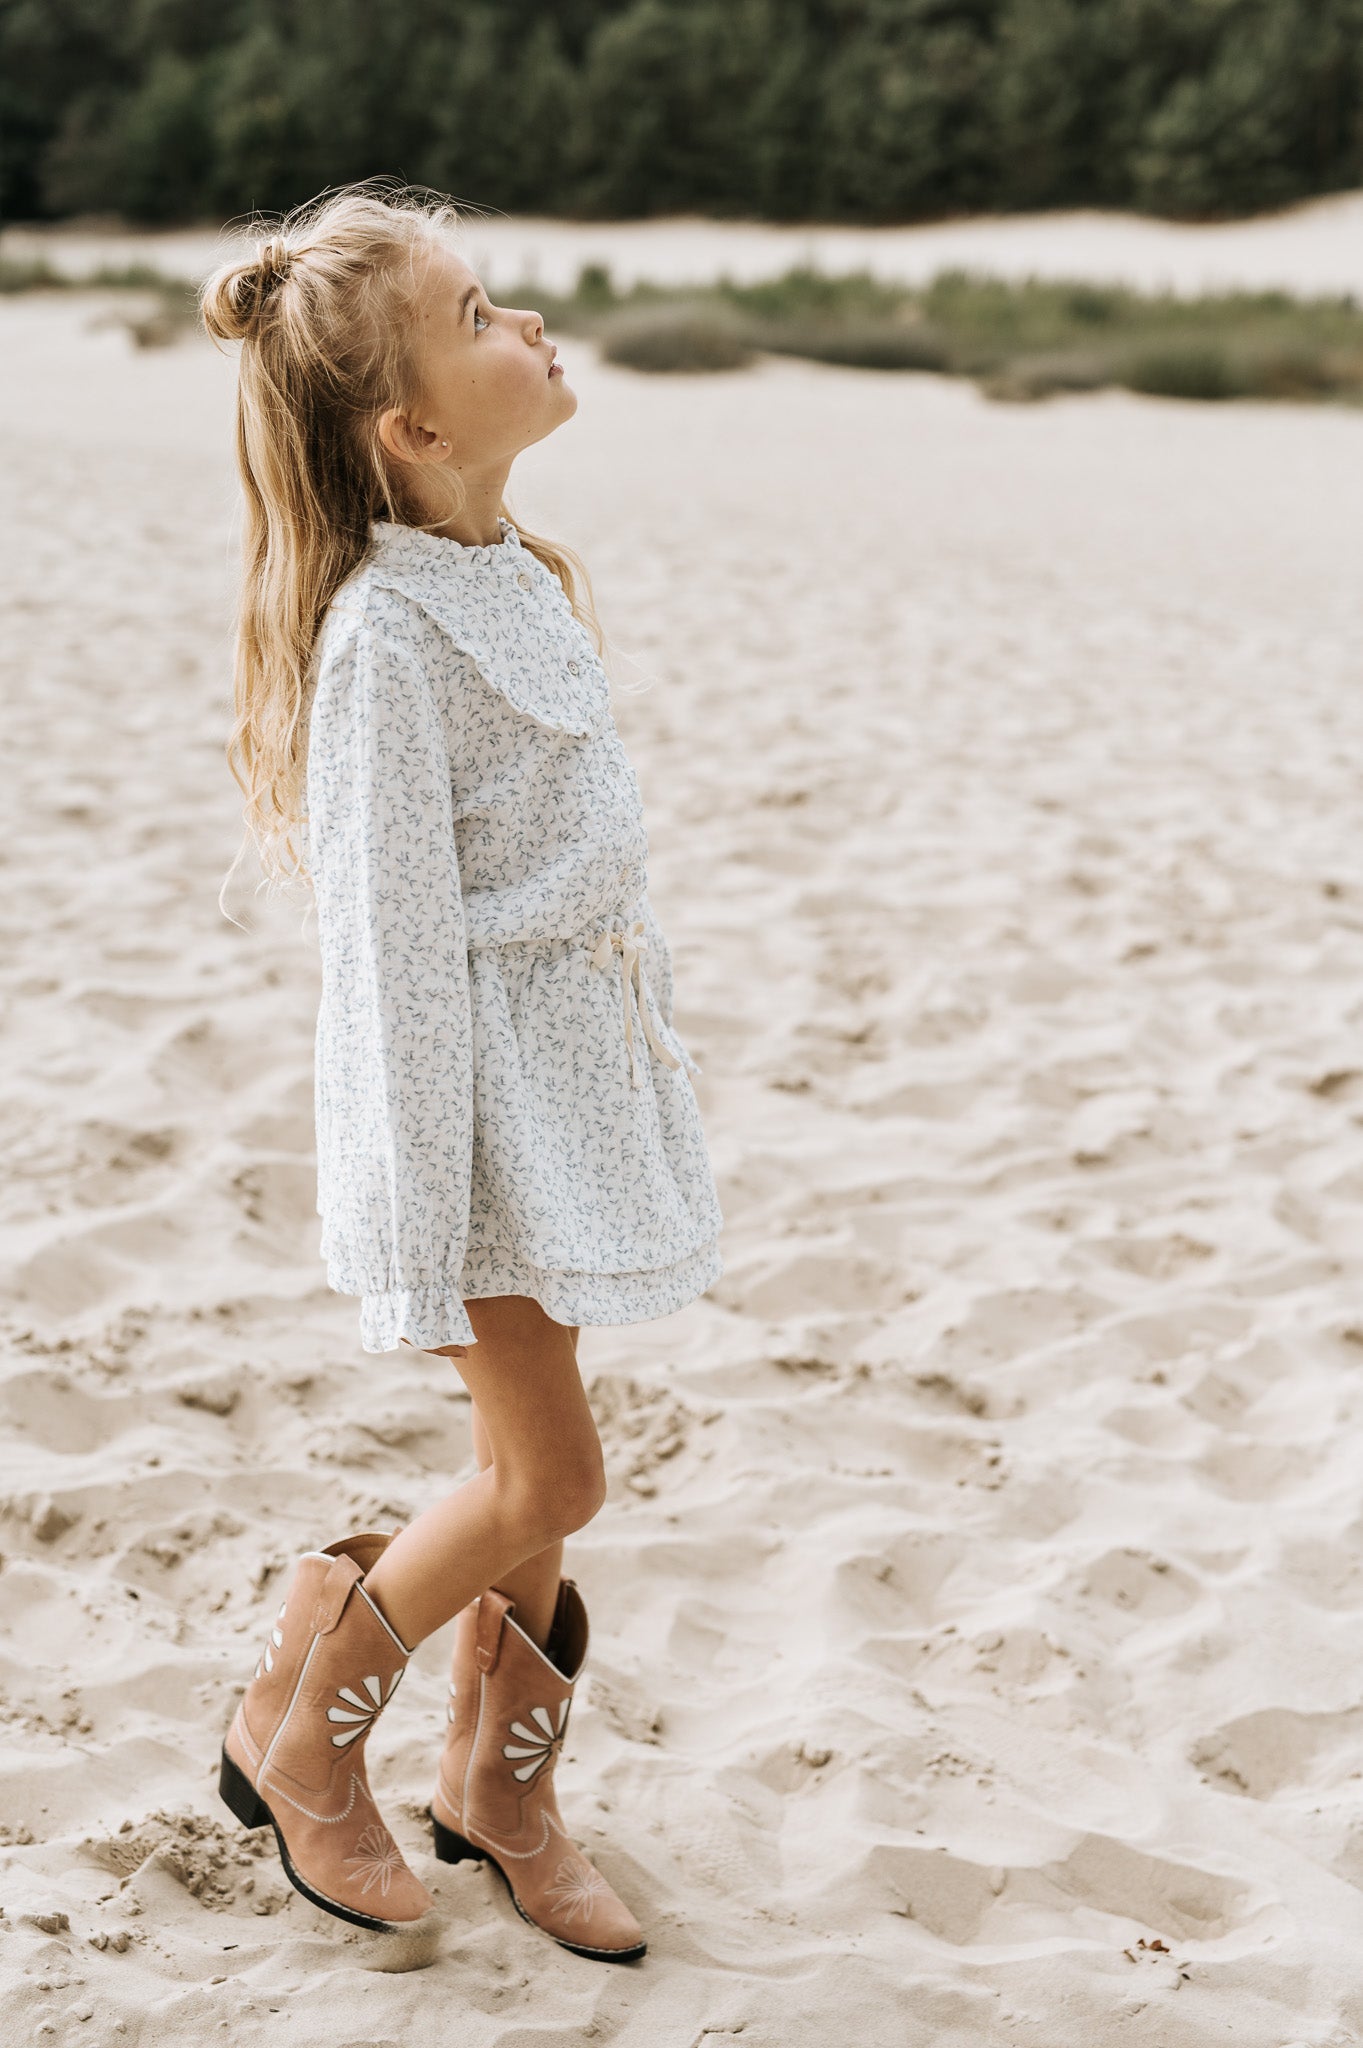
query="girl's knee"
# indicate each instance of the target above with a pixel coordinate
(555, 1504)
(587, 1497)
(577, 1495)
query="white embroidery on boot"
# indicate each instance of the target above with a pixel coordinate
(542, 1746)
(366, 1708)
(577, 1886)
(378, 1856)
(277, 1791)
(491, 1841)
(276, 1642)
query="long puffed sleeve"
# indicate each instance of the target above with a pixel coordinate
(394, 1073)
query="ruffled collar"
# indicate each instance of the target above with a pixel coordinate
(412, 546)
(532, 649)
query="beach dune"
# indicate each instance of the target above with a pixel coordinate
(975, 1609)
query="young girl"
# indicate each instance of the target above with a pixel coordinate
(508, 1139)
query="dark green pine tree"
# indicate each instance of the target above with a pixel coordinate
(534, 174)
(875, 110)
(473, 124)
(1273, 111)
(907, 117)
(787, 128)
(664, 114)
(256, 124)
(1055, 80)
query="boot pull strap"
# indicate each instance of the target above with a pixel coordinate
(492, 1606)
(333, 1594)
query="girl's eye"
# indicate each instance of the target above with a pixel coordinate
(477, 316)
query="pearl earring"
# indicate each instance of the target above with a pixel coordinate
(444, 444)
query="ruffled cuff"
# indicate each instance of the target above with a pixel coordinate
(425, 1316)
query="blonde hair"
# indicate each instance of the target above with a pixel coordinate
(325, 314)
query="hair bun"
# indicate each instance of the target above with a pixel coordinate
(235, 296)
(275, 258)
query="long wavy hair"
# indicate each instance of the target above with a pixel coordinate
(325, 312)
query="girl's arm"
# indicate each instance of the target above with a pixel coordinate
(394, 1035)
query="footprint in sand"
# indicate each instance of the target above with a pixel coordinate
(1276, 1750)
(1139, 1584)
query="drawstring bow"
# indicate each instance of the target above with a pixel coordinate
(630, 947)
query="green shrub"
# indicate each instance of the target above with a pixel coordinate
(28, 274)
(874, 346)
(138, 277)
(805, 296)
(1091, 305)
(1047, 376)
(675, 338)
(1294, 372)
(594, 289)
(1185, 370)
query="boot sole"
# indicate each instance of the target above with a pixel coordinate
(451, 1847)
(243, 1801)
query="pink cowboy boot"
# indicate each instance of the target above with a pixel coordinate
(494, 1795)
(294, 1754)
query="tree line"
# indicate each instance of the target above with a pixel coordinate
(835, 110)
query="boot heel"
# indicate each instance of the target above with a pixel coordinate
(454, 1848)
(237, 1792)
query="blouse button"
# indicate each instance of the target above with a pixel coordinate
(523, 580)
(572, 668)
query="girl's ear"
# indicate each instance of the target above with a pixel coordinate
(403, 441)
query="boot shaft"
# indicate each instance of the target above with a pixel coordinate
(317, 1692)
(494, 1795)
(509, 1712)
(294, 1754)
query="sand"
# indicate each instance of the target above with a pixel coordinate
(976, 1606)
(1316, 246)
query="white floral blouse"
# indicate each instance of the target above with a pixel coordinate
(503, 1105)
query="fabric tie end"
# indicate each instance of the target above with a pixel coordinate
(630, 946)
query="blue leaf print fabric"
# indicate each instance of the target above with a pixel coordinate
(502, 1103)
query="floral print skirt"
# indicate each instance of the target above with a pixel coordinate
(585, 1299)
(592, 1190)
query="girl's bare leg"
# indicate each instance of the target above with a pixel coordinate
(532, 1585)
(545, 1476)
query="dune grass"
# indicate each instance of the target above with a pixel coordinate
(160, 310)
(1021, 340)
(1018, 340)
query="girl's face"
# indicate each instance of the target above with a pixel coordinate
(486, 372)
